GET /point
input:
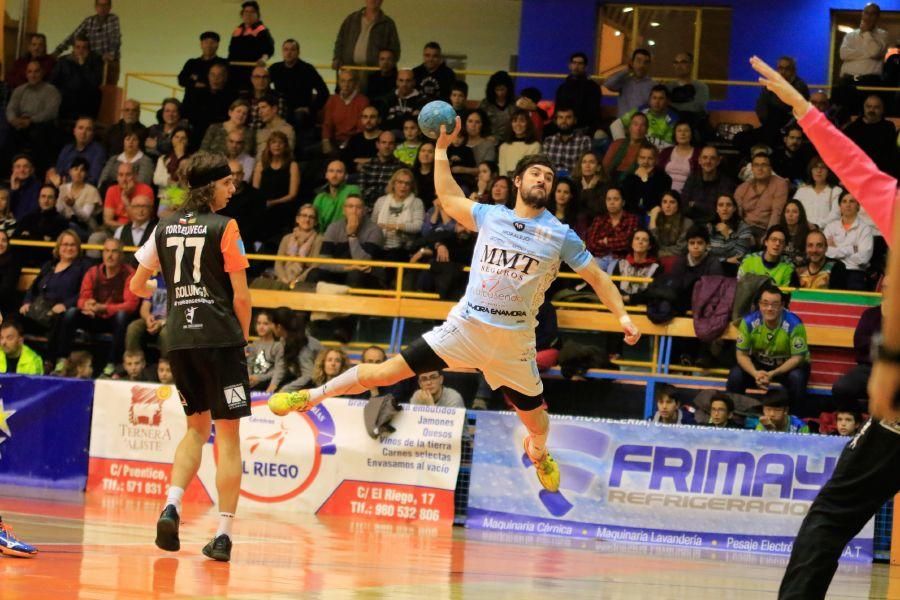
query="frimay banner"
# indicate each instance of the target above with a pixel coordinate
(319, 462)
(45, 426)
(693, 487)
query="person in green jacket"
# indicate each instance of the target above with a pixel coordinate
(16, 356)
(329, 202)
(770, 261)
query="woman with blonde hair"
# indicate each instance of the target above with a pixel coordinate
(330, 363)
(400, 215)
(55, 290)
(277, 177)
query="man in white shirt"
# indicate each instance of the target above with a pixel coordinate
(862, 53)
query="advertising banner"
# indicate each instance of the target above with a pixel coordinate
(319, 462)
(693, 487)
(45, 426)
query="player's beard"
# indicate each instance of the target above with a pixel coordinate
(535, 200)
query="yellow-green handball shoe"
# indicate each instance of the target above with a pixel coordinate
(284, 402)
(546, 468)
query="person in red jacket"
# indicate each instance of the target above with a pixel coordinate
(868, 471)
(105, 304)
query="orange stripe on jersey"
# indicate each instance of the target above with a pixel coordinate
(233, 248)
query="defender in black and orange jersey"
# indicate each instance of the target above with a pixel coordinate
(202, 260)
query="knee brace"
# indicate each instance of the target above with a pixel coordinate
(521, 401)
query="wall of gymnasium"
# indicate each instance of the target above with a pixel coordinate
(159, 36)
(800, 28)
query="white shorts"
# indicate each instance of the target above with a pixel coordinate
(504, 356)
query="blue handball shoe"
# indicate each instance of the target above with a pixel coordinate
(12, 546)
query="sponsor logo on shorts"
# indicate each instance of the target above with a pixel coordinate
(235, 396)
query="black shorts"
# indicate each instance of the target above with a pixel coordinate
(213, 379)
(422, 358)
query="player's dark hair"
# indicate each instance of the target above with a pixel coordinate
(531, 160)
(433, 46)
(661, 89)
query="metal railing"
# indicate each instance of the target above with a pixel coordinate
(174, 89)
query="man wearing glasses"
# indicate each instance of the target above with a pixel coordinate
(771, 347)
(432, 392)
(687, 95)
(141, 221)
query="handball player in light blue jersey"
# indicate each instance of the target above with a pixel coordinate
(517, 256)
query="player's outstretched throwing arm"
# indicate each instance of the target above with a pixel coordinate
(609, 294)
(452, 198)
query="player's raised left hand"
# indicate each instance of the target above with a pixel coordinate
(446, 138)
(780, 86)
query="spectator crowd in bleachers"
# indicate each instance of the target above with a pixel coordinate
(656, 192)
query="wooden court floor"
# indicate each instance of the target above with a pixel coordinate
(97, 546)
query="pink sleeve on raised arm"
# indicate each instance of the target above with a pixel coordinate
(876, 191)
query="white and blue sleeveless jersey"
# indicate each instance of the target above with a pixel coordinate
(514, 262)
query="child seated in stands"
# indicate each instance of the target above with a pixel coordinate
(79, 365)
(265, 356)
(721, 409)
(135, 367)
(164, 372)
(848, 422)
(776, 414)
(668, 407)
